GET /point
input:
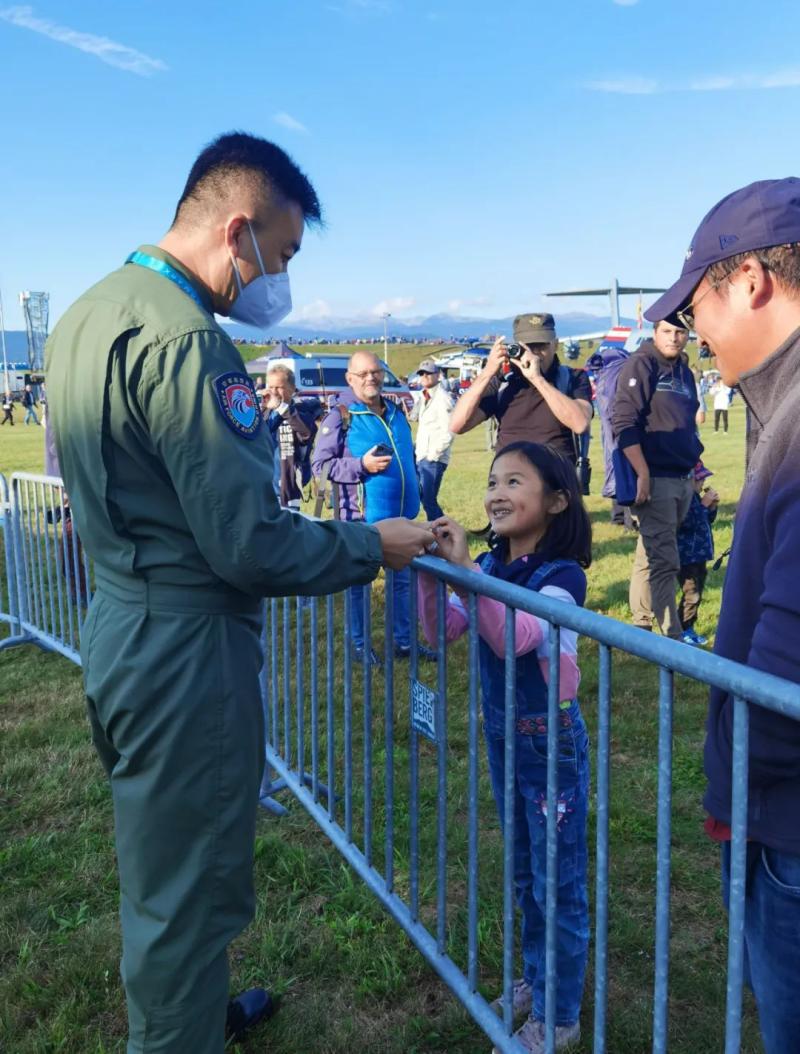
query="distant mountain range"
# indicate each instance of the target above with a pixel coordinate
(434, 327)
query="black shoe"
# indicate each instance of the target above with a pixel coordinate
(246, 1011)
(374, 658)
(403, 651)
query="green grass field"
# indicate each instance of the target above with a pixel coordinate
(350, 980)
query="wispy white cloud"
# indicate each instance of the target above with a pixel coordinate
(393, 305)
(626, 86)
(289, 122)
(635, 85)
(119, 55)
(313, 312)
(458, 304)
(363, 7)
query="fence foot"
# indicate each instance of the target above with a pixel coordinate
(23, 638)
(271, 787)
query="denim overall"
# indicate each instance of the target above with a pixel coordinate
(530, 815)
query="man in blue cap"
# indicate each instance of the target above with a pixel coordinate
(740, 290)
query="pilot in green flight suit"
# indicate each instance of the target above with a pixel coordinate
(168, 466)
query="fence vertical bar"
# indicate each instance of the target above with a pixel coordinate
(314, 699)
(32, 563)
(602, 857)
(83, 602)
(441, 769)
(70, 599)
(738, 875)
(329, 711)
(13, 558)
(287, 670)
(263, 673)
(368, 726)
(56, 523)
(273, 670)
(388, 667)
(413, 759)
(661, 993)
(348, 716)
(41, 555)
(472, 796)
(553, 714)
(300, 687)
(509, 795)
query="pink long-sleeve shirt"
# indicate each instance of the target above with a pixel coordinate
(531, 631)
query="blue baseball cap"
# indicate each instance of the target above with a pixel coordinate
(758, 216)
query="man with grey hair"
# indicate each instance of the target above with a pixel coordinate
(366, 450)
(293, 428)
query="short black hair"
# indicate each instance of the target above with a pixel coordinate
(569, 533)
(237, 153)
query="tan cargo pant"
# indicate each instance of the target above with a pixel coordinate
(656, 565)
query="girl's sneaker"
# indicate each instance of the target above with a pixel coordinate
(532, 1036)
(521, 1000)
(690, 637)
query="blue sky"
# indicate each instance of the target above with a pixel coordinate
(469, 156)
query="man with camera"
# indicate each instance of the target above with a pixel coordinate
(529, 392)
(366, 450)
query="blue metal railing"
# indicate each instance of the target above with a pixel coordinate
(431, 902)
(310, 684)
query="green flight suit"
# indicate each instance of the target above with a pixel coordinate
(170, 482)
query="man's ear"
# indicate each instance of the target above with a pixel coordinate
(235, 227)
(756, 282)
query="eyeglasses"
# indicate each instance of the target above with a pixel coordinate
(686, 317)
(377, 374)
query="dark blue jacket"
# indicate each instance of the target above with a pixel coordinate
(655, 406)
(533, 572)
(759, 620)
(695, 541)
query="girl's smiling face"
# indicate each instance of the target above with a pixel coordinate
(517, 501)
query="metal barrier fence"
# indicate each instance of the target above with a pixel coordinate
(347, 773)
(47, 583)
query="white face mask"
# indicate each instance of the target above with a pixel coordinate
(265, 301)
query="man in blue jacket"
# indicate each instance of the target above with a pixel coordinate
(366, 449)
(740, 290)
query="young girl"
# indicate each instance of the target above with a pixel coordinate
(541, 540)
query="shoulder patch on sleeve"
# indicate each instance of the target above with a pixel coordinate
(238, 403)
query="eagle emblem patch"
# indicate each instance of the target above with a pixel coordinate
(238, 403)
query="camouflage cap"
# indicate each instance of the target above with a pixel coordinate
(534, 329)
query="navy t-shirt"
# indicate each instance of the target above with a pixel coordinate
(523, 414)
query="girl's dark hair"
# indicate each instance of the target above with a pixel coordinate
(569, 532)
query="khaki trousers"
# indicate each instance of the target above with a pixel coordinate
(657, 564)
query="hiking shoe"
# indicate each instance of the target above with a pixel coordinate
(531, 1036)
(521, 1000)
(403, 651)
(246, 1011)
(359, 655)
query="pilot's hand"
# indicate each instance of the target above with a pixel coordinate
(402, 540)
(374, 464)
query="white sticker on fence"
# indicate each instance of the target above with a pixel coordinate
(423, 710)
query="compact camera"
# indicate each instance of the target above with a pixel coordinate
(515, 351)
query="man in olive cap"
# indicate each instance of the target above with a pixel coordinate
(533, 396)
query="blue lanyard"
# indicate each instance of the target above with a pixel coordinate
(166, 271)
